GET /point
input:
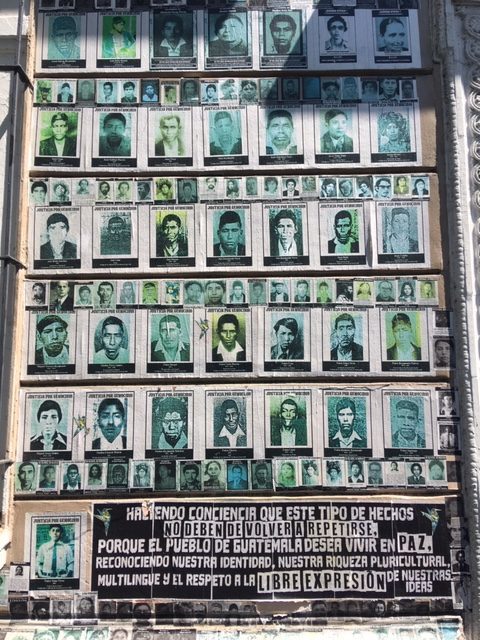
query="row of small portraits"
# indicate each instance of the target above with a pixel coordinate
(63, 295)
(80, 191)
(225, 91)
(71, 478)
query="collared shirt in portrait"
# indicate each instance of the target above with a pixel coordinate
(62, 357)
(54, 553)
(182, 350)
(291, 250)
(234, 437)
(346, 443)
(229, 356)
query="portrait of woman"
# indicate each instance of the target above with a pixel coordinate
(141, 477)
(310, 473)
(407, 292)
(393, 133)
(364, 292)
(286, 476)
(334, 474)
(95, 475)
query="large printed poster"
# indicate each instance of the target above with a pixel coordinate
(267, 551)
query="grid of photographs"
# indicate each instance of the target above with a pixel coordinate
(183, 38)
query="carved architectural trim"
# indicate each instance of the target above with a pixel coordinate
(460, 64)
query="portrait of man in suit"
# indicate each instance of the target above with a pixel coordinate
(343, 342)
(171, 237)
(236, 476)
(335, 139)
(59, 143)
(63, 299)
(57, 246)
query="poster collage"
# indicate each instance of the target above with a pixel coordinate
(192, 439)
(235, 341)
(243, 196)
(231, 236)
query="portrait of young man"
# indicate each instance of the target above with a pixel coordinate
(64, 92)
(109, 431)
(55, 557)
(171, 236)
(335, 139)
(286, 237)
(225, 133)
(347, 423)
(62, 134)
(53, 350)
(111, 344)
(404, 347)
(48, 425)
(118, 39)
(344, 245)
(171, 347)
(228, 347)
(343, 344)
(229, 429)
(287, 341)
(190, 476)
(282, 33)
(281, 133)
(229, 229)
(57, 240)
(340, 40)
(288, 425)
(400, 239)
(173, 39)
